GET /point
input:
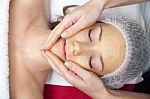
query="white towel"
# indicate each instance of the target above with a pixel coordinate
(4, 61)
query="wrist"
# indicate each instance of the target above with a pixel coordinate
(100, 4)
(104, 94)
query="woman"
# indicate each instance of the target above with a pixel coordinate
(28, 31)
(80, 18)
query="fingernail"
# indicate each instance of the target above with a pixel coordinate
(64, 34)
(67, 64)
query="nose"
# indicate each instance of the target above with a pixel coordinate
(81, 47)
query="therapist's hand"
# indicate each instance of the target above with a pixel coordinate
(86, 81)
(82, 17)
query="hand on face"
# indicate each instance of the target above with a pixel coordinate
(99, 48)
(86, 81)
(82, 17)
(106, 41)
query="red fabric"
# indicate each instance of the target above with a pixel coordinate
(70, 92)
(63, 92)
(128, 87)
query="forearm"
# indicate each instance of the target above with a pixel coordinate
(127, 95)
(115, 3)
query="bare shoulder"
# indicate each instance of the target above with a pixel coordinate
(24, 12)
(27, 3)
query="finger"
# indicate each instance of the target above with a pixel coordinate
(55, 34)
(79, 25)
(73, 78)
(58, 63)
(70, 76)
(77, 69)
(69, 20)
(52, 38)
(52, 64)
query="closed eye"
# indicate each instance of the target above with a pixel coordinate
(90, 63)
(89, 35)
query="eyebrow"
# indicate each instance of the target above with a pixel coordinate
(102, 63)
(100, 34)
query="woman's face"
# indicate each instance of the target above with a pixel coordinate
(99, 48)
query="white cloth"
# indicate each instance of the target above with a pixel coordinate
(55, 8)
(4, 62)
(145, 9)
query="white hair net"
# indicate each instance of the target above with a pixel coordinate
(136, 55)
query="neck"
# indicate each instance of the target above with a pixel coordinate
(34, 40)
(27, 64)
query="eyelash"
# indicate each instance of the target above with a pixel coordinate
(90, 63)
(89, 35)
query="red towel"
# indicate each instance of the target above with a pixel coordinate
(70, 92)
